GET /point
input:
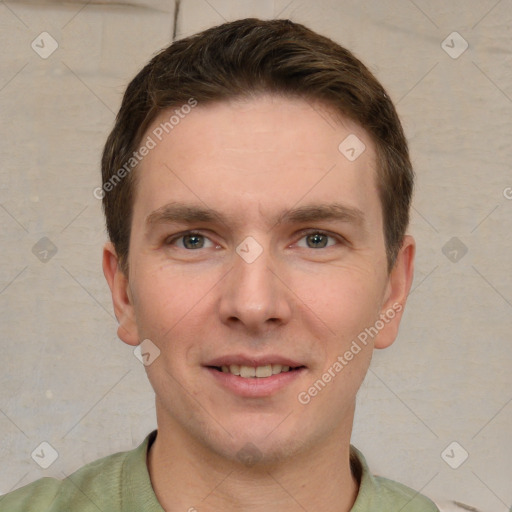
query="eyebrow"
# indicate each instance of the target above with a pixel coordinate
(178, 212)
(185, 213)
(333, 211)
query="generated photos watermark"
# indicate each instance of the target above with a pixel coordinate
(150, 143)
(304, 397)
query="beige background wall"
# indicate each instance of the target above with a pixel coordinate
(66, 379)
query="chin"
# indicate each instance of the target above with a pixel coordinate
(254, 453)
(262, 445)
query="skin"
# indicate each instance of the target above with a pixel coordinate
(251, 161)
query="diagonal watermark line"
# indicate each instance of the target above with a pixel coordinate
(492, 81)
(326, 326)
(419, 284)
(87, 87)
(189, 189)
(425, 219)
(13, 13)
(12, 280)
(215, 10)
(490, 490)
(14, 486)
(184, 184)
(13, 217)
(286, 491)
(192, 192)
(16, 425)
(88, 293)
(278, 425)
(76, 14)
(418, 492)
(492, 419)
(403, 402)
(284, 9)
(13, 77)
(487, 13)
(492, 286)
(320, 114)
(417, 83)
(424, 13)
(218, 485)
(493, 210)
(69, 479)
(74, 218)
(306, 193)
(104, 395)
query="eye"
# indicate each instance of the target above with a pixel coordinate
(191, 241)
(316, 240)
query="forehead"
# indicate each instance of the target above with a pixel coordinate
(255, 157)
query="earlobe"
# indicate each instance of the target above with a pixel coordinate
(398, 287)
(121, 297)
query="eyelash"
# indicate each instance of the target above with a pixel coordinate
(303, 234)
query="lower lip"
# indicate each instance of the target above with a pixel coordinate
(256, 386)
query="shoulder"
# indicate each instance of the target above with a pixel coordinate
(379, 494)
(95, 486)
(406, 498)
(35, 496)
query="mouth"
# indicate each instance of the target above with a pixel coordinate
(256, 372)
(254, 376)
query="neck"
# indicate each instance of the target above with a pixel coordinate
(188, 477)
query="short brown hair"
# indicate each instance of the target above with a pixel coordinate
(240, 59)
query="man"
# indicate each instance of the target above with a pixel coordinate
(256, 187)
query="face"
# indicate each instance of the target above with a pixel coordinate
(256, 262)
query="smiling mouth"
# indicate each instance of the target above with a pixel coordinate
(255, 372)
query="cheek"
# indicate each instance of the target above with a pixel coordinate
(164, 298)
(173, 307)
(344, 300)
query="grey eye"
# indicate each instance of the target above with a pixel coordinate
(316, 240)
(193, 241)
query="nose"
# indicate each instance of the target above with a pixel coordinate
(254, 297)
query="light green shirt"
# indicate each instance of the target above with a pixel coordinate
(121, 482)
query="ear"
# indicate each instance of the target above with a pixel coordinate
(397, 289)
(121, 296)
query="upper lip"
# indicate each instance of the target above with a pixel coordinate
(254, 361)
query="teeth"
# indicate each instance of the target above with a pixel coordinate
(234, 369)
(248, 372)
(264, 371)
(276, 368)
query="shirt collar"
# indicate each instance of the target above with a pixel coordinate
(138, 494)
